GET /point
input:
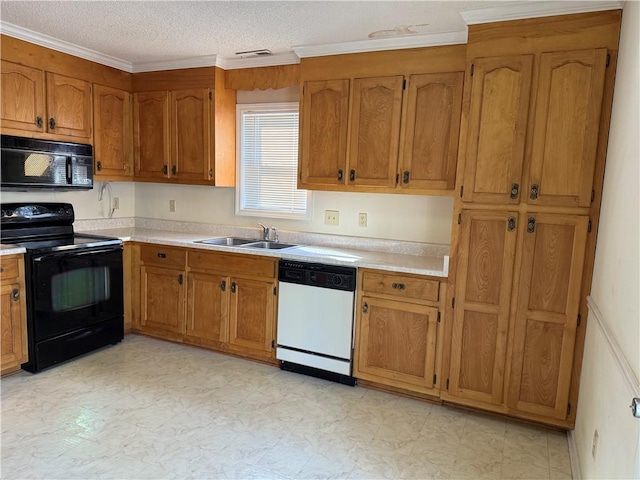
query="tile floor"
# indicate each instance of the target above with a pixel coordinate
(149, 409)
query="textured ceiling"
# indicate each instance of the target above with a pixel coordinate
(150, 31)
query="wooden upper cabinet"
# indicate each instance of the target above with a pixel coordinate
(323, 132)
(68, 106)
(498, 114)
(547, 313)
(567, 119)
(113, 148)
(397, 343)
(375, 131)
(431, 134)
(191, 134)
(151, 134)
(22, 97)
(483, 292)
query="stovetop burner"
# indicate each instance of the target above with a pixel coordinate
(45, 227)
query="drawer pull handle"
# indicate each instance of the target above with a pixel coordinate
(365, 307)
(15, 294)
(398, 286)
(162, 255)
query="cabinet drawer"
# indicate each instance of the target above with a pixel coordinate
(165, 256)
(400, 286)
(247, 265)
(8, 267)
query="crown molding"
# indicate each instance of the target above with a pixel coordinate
(65, 47)
(524, 10)
(283, 58)
(379, 44)
(190, 62)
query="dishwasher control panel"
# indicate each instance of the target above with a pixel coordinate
(317, 275)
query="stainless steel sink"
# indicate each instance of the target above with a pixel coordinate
(227, 241)
(268, 245)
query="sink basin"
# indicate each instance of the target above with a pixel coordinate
(268, 245)
(227, 241)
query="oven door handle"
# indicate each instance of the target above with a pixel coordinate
(76, 254)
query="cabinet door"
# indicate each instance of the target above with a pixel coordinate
(112, 121)
(151, 134)
(68, 106)
(481, 315)
(547, 312)
(323, 132)
(252, 314)
(396, 343)
(498, 113)
(191, 134)
(22, 97)
(11, 326)
(208, 307)
(162, 294)
(565, 136)
(432, 131)
(375, 131)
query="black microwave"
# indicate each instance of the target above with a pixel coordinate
(34, 164)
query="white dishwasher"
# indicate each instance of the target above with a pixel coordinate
(315, 319)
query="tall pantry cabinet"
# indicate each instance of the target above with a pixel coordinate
(533, 140)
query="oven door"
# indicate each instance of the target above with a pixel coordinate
(72, 290)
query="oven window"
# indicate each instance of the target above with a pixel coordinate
(79, 288)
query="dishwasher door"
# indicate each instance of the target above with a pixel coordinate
(315, 326)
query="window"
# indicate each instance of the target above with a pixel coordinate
(268, 162)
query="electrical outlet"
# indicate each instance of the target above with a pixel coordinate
(331, 217)
(172, 205)
(116, 203)
(594, 445)
(362, 219)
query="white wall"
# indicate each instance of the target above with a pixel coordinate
(604, 397)
(85, 203)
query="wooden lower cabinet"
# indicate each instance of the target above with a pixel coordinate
(252, 315)
(397, 343)
(207, 308)
(225, 302)
(397, 331)
(515, 322)
(162, 299)
(13, 329)
(547, 314)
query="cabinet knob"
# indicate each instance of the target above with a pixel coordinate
(39, 122)
(15, 294)
(365, 307)
(223, 285)
(162, 255)
(534, 191)
(52, 123)
(233, 287)
(180, 279)
(340, 175)
(99, 166)
(174, 170)
(405, 177)
(511, 224)
(352, 175)
(210, 172)
(515, 191)
(165, 170)
(531, 225)
(398, 286)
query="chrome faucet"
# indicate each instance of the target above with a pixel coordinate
(265, 232)
(275, 233)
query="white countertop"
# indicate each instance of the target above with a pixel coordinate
(11, 250)
(436, 265)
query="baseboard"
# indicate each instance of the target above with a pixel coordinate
(576, 473)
